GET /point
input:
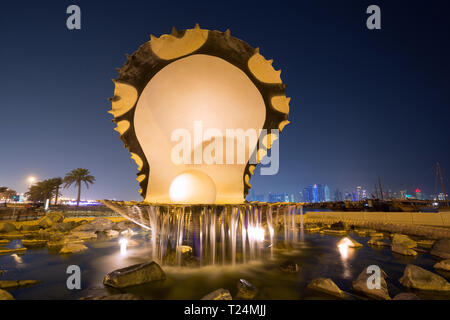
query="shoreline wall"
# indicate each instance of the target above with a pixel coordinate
(430, 225)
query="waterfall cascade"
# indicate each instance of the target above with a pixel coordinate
(215, 234)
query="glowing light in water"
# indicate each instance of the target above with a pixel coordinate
(256, 233)
(345, 249)
(123, 246)
(17, 258)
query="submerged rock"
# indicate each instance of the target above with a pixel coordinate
(246, 290)
(406, 296)
(441, 248)
(327, 286)
(70, 248)
(419, 278)
(83, 235)
(5, 295)
(405, 241)
(377, 242)
(135, 275)
(7, 227)
(219, 294)
(33, 243)
(14, 250)
(14, 284)
(425, 243)
(401, 249)
(289, 267)
(443, 265)
(361, 285)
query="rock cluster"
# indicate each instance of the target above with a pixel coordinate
(135, 275)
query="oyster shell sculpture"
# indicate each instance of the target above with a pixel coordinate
(196, 81)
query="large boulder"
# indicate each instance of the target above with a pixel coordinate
(246, 290)
(219, 294)
(124, 225)
(29, 227)
(50, 219)
(361, 285)
(419, 278)
(405, 241)
(327, 286)
(98, 224)
(443, 265)
(7, 227)
(401, 249)
(5, 295)
(441, 248)
(63, 226)
(135, 275)
(406, 296)
(70, 248)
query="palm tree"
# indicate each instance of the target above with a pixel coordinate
(77, 176)
(57, 182)
(41, 191)
(7, 193)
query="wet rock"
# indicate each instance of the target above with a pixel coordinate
(84, 235)
(361, 285)
(360, 232)
(4, 242)
(124, 225)
(34, 243)
(7, 227)
(334, 232)
(312, 227)
(401, 249)
(58, 244)
(443, 265)
(375, 234)
(338, 226)
(70, 248)
(419, 278)
(406, 296)
(14, 284)
(377, 242)
(135, 275)
(246, 290)
(14, 250)
(441, 248)
(327, 286)
(5, 295)
(112, 233)
(50, 219)
(29, 227)
(98, 224)
(63, 226)
(219, 294)
(402, 240)
(425, 243)
(351, 243)
(121, 296)
(289, 267)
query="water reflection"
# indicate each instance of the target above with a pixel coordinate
(346, 252)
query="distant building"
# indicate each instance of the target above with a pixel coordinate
(338, 195)
(418, 194)
(326, 193)
(255, 197)
(279, 197)
(314, 193)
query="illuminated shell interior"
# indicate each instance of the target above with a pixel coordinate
(189, 75)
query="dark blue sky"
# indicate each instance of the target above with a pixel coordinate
(364, 103)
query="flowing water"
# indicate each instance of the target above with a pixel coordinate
(204, 248)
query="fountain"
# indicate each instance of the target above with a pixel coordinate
(201, 109)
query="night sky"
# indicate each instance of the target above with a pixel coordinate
(364, 103)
